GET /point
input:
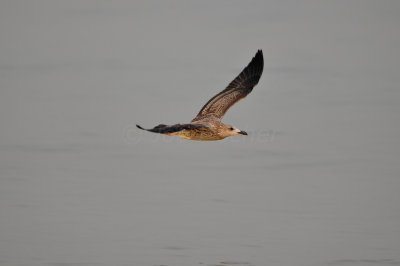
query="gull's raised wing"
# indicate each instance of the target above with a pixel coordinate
(242, 85)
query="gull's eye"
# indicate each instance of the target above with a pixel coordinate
(231, 128)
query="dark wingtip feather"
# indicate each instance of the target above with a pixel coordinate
(140, 127)
(258, 59)
(252, 72)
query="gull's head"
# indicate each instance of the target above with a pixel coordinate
(229, 130)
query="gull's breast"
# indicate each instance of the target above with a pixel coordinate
(199, 134)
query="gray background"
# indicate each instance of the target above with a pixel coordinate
(316, 182)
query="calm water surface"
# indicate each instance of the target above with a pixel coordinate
(315, 183)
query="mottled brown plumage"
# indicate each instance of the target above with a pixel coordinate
(207, 124)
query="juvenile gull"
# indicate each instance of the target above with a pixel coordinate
(207, 124)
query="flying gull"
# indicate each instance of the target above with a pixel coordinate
(207, 124)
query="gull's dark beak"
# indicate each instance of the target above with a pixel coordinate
(243, 132)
